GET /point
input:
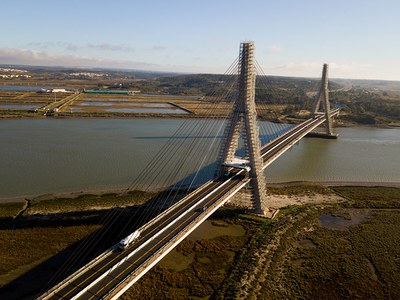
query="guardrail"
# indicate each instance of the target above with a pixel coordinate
(172, 207)
(111, 249)
(188, 229)
(130, 254)
(69, 101)
(164, 250)
(302, 127)
(286, 133)
(77, 273)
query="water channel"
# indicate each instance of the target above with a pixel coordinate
(39, 156)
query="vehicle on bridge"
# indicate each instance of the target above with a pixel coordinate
(129, 240)
(236, 163)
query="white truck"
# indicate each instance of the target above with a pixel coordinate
(129, 240)
(236, 163)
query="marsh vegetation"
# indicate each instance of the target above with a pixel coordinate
(234, 255)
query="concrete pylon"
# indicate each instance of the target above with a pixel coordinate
(243, 122)
(324, 93)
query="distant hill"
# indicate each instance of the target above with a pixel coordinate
(60, 69)
(194, 80)
(386, 85)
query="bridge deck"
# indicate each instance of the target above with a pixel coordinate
(278, 146)
(112, 273)
(99, 279)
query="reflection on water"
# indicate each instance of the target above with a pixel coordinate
(21, 88)
(169, 96)
(60, 155)
(128, 107)
(18, 106)
(97, 103)
(156, 105)
(147, 110)
(356, 216)
(124, 104)
(75, 109)
(359, 155)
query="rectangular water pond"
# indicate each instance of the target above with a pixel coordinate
(147, 110)
(125, 107)
(19, 106)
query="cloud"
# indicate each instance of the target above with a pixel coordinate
(33, 57)
(43, 58)
(314, 69)
(307, 66)
(73, 47)
(111, 47)
(157, 48)
(274, 49)
(350, 66)
(297, 69)
(298, 66)
(46, 45)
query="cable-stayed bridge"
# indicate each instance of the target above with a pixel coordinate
(110, 274)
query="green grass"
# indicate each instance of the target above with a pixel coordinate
(373, 197)
(338, 267)
(210, 263)
(21, 247)
(300, 189)
(11, 210)
(361, 262)
(88, 201)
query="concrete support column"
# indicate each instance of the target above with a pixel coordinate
(324, 93)
(243, 121)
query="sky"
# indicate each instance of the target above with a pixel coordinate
(359, 39)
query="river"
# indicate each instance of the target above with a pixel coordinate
(39, 156)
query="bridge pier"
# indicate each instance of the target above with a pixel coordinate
(322, 135)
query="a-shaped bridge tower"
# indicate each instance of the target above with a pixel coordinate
(111, 273)
(243, 122)
(323, 97)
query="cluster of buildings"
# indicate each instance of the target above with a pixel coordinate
(11, 76)
(55, 91)
(12, 70)
(10, 73)
(88, 75)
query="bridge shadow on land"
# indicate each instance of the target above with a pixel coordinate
(176, 137)
(43, 276)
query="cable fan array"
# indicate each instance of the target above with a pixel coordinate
(196, 143)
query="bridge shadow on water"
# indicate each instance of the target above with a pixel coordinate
(176, 137)
(118, 224)
(30, 284)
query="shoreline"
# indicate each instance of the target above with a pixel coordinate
(99, 192)
(95, 115)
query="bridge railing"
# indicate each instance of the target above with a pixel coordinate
(77, 273)
(111, 249)
(165, 249)
(172, 207)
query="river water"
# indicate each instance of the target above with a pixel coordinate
(39, 156)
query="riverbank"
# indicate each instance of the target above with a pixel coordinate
(117, 191)
(7, 115)
(242, 251)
